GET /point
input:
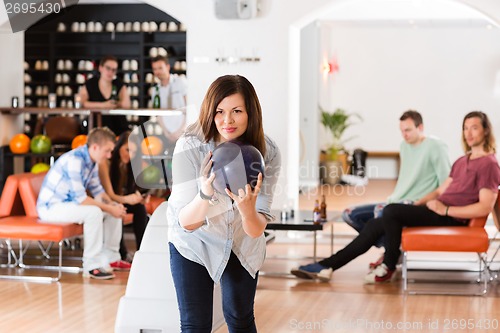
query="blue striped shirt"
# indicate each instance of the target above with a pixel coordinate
(211, 244)
(69, 179)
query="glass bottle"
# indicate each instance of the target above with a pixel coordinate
(323, 208)
(284, 213)
(316, 213)
(114, 93)
(156, 99)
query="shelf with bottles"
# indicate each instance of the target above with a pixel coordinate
(74, 43)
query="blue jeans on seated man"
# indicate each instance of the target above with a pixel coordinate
(195, 290)
(358, 216)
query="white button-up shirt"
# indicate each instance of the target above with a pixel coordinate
(211, 244)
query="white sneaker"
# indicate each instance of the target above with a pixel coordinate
(325, 275)
(312, 272)
(379, 275)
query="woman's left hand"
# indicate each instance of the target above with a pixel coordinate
(436, 206)
(245, 199)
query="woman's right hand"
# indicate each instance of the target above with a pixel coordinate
(206, 181)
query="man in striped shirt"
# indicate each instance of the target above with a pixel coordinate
(72, 191)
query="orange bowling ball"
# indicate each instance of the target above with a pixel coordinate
(78, 141)
(152, 145)
(20, 144)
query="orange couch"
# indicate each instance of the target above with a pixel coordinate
(20, 221)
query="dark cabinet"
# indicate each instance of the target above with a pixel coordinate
(59, 62)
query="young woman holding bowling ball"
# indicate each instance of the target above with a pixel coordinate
(219, 237)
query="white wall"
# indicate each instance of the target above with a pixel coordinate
(309, 117)
(11, 79)
(442, 70)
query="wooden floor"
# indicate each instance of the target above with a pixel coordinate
(283, 304)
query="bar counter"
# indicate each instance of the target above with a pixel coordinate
(88, 112)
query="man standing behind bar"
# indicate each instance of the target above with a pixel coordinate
(172, 91)
(171, 87)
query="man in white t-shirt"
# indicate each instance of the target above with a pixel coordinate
(172, 91)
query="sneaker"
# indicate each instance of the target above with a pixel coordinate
(120, 265)
(313, 271)
(379, 275)
(377, 263)
(325, 275)
(99, 274)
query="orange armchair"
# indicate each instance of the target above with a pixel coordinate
(473, 238)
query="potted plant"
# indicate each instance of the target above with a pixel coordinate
(336, 157)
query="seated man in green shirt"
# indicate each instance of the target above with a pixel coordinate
(424, 166)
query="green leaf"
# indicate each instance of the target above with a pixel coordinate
(337, 122)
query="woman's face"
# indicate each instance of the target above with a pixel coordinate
(124, 152)
(108, 70)
(231, 117)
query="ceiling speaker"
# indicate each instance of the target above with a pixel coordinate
(235, 9)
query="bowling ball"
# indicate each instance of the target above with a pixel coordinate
(236, 164)
(20, 144)
(152, 145)
(40, 167)
(78, 141)
(40, 144)
(151, 174)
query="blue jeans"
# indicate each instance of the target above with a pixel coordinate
(358, 216)
(195, 289)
